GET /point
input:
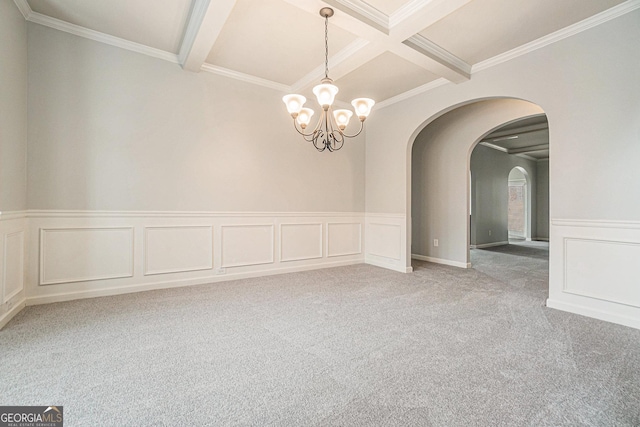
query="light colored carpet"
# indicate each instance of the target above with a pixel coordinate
(345, 346)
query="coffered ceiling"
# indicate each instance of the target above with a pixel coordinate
(383, 49)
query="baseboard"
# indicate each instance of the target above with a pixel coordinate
(95, 293)
(488, 245)
(597, 314)
(441, 261)
(541, 239)
(6, 318)
(388, 265)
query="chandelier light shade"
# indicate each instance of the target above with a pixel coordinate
(328, 134)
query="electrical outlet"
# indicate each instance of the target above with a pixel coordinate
(435, 242)
(221, 270)
(489, 232)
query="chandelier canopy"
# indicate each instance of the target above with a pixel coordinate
(328, 134)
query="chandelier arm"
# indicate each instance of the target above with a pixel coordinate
(307, 136)
(355, 134)
(317, 135)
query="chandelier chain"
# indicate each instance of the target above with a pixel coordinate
(326, 47)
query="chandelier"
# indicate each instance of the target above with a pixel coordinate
(329, 133)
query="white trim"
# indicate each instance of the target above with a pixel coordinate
(7, 297)
(69, 296)
(214, 69)
(406, 11)
(6, 318)
(257, 225)
(384, 215)
(198, 12)
(328, 239)
(364, 11)
(607, 316)
(179, 214)
(488, 245)
(24, 8)
(44, 231)
(387, 265)
(565, 272)
(77, 30)
(427, 47)
(556, 36)
(595, 223)
(290, 224)
(145, 249)
(441, 261)
(11, 215)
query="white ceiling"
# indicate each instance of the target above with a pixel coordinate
(382, 49)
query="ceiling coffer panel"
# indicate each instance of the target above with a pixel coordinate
(274, 40)
(383, 77)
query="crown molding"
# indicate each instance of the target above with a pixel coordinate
(564, 33)
(406, 11)
(24, 8)
(210, 68)
(57, 24)
(363, 12)
(413, 92)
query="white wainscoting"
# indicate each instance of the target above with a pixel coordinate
(81, 254)
(177, 249)
(300, 241)
(597, 274)
(386, 242)
(344, 238)
(78, 254)
(247, 244)
(13, 236)
(13, 265)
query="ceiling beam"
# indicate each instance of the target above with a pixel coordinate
(420, 14)
(205, 24)
(518, 131)
(528, 149)
(442, 61)
(368, 23)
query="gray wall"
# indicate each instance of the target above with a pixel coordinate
(110, 129)
(489, 202)
(542, 200)
(13, 108)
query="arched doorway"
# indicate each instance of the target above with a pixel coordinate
(439, 189)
